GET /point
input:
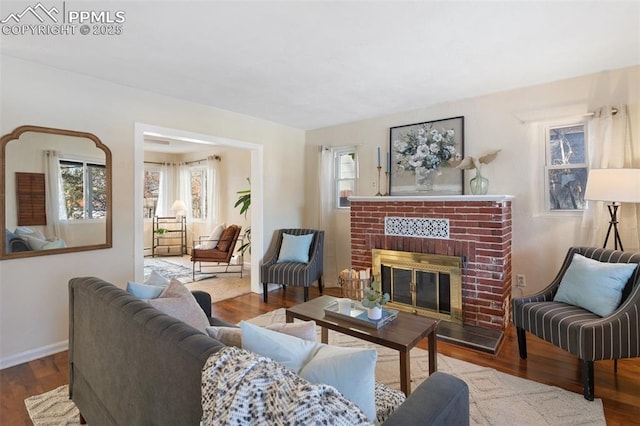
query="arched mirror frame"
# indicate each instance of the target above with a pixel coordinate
(15, 136)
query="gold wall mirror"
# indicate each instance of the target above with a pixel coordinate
(55, 192)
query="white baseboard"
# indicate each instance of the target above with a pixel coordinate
(32, 354)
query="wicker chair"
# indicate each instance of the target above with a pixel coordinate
(578, 331)
(220, 254)
(293, 273)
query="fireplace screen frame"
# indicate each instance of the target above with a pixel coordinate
(421, 263)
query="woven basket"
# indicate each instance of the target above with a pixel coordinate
(353, 288)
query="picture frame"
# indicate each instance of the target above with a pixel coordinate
(420, 154)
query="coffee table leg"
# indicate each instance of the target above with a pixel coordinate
(324, 335)
(433, 352)
(289, 317)
(405, 372)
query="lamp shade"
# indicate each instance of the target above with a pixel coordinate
(179, 207)
(616, 185)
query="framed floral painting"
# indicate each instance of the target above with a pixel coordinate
(421, 156)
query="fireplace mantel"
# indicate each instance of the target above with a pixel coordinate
(428, 198)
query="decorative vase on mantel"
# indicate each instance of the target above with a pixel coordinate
(374, 313)
(424, 179)
(479, 184)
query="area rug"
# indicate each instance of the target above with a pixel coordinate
(220, 287)
(172, 270)
(495, 398)
(53, 408)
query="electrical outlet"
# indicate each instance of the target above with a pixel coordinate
(520, 280)
(373, 184)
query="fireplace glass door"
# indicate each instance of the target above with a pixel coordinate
(430, 287)
(433, 291)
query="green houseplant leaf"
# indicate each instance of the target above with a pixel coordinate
(244, 202)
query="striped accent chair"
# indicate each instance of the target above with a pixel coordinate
(293, 273)
(578, 331)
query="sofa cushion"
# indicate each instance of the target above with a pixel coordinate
(144, 291)
(295, 248)
(350, 370)
(176, 300)
(232, 336)
(292, 352)
(593, 285)
(152, 287)
(23, 231)
(242, 388)
(156, 279)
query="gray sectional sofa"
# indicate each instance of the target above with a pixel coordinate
(130, 364)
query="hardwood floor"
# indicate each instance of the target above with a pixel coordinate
(547, 364)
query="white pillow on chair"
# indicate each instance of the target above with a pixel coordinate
(213, 238)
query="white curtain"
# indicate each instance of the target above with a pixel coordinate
(213, 194)
(327, 214)
(610, 146)
(184, 190)
(55, 208)
(165, 191)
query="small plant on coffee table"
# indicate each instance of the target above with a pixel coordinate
(373, 296)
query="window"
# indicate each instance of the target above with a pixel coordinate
(151, 191)
(566, 167)
(199, 186)
(346, 171)
(84, 184)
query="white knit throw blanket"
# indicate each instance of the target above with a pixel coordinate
(240, 387)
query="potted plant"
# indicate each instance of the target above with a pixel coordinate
(374, 299)
(244, 202)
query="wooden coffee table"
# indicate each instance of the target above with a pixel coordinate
(402, 334)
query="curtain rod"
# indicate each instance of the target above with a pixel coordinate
(614, 111)
(215, 157)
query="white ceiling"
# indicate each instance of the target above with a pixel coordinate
(316, 64)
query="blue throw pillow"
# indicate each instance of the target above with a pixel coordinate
(593, 285)
(350, 370)
(290, 351)
(295, 248)
(144, 291)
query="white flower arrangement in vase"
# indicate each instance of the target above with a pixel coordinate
(374, 299)
(423, 150)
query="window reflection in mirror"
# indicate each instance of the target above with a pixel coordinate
(56, 192)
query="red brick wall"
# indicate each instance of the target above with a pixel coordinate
(480, 232)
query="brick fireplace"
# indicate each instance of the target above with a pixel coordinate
(475, 228)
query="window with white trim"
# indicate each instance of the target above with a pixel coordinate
(566, 167)
(84, 184)
(346, 174)
(151, 190)
(199, 191)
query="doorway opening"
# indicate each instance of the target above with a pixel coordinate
(143, 131)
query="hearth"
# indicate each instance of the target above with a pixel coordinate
(420, 283)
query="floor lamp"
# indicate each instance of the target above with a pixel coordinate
(616, 186)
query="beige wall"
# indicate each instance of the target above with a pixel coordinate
(540, 240)
(33, 291)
